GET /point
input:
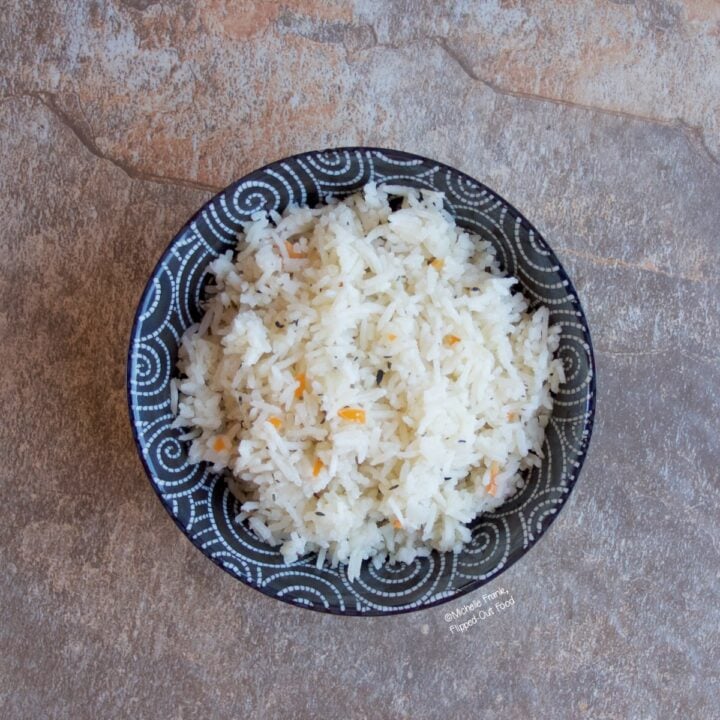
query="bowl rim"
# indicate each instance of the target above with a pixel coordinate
(591, 403)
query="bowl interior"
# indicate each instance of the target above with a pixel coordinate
(200, 501)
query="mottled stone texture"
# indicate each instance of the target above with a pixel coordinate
(599, 119)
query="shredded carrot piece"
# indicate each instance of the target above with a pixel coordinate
(397, 524)
(450, 340)
(276, 422)
(512, 416)
(302, 385)
(492, 486)
(318, 466)
(392, 336)
(356, 415)
(219, 444)
(438, 264)
(292, 252)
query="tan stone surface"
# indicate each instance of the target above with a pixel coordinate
(599, 120)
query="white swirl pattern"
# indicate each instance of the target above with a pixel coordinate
(201, 503)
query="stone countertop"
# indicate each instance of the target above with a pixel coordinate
(600, 120)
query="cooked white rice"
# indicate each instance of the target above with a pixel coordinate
(325, 314)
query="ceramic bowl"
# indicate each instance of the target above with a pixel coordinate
(201, 503)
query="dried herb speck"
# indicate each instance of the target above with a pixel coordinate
(379, 376)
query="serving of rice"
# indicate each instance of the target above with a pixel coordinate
(368, 377)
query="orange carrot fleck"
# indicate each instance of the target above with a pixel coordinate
(276, 422)
(392, 336)
(302, 384)
(292, 252)
(219, 444)
(450, 340)
(356, 415)
(438, 264)
(317, 467)
(513, 416)
(397, 524)
(492, 486)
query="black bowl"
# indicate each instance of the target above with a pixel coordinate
(201, 503)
